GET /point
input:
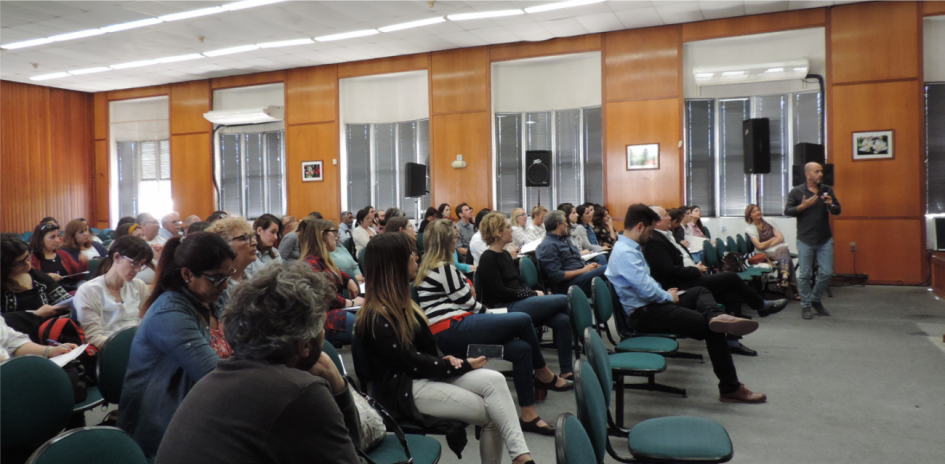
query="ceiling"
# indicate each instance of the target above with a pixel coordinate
(25, 20)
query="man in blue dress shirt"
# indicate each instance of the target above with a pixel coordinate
(693, 313)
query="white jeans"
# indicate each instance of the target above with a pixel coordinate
(480, 397)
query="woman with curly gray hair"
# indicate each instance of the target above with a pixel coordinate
(278, 397)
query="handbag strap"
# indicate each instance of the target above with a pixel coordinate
(392, 426)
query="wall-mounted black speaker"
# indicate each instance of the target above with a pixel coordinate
(757, 144)
(798, 177)
(416, 185)
(809, 153)
(537, 168)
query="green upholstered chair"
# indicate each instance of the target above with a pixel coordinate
(27, 235)
(93, 398)
(332, 352)
(90, 445)
(361, 256)
(420, 242)
(113, 363)
(107, 243)
(742, 245)
(529, 273)
(93, 266)
(94, 231)
(477, 286)
(36, 400)
(731, 244)
(664, 439)
(579, 310)
(710, 256)
(721, 248)
(604, 308)
(423, 450)
(572, 445)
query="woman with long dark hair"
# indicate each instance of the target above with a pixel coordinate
(429, 216)
(444, 212)
(604, 227)
(23, 287)
(364, 231)
(318, 238)
(171, 349)
(45, 245)
(268, 229)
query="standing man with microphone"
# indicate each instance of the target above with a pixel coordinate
(812, 203)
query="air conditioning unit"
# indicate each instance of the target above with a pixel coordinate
(246, 116)
(935, 233)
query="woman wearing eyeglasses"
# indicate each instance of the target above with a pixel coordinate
(171, 350)
(112, 301)
(241, 239)
(47, 257)
(318, 238)
(519, 220)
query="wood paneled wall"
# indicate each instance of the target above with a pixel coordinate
(46, 155)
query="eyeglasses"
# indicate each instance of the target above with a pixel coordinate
(134, 265)
(219, 279)
(334, 231)
(48, 226)
(248, 238)
(29, 255)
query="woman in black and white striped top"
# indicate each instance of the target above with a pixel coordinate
(456, 321)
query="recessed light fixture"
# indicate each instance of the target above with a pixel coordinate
(704, 75)
(733, 73)
(286, 43)
(191, 14)
(248, 4)
(483, 15)
(46, 77)
(26, 43)
(412, 24)
(132, 25)
(79, 72)
(775, 70)
(76, 35)
(347, 35)
(560, 5)
(133, 64)
(231, 50)
(175, 59)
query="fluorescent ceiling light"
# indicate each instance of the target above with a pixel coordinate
(704, 75)
(248, 4)
(79, 72)
(132, 25)
(804, 70)
(560, 5)
(76, 35)
(26, 43)
(751, 72)
(775, 70)
(46, 77)
(133, 64)
(174, 59)
(733, 73)
(191, 14)
(247, 116)
(285, 43)
(422, 22)
(347, 35)
(483, 15)
(231, 50)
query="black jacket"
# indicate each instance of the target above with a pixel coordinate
(666, 264)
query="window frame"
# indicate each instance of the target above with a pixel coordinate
(137, 146)
(243, 132)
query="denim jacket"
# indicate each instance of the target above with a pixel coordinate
(170, 353)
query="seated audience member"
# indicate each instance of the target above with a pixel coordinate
(126, 220)
(429, 216)
(502, 287)
(695, 223)
(77, 241)
(317, 215)
(219, 214)
(13, 343)
(519, 220)
(146, 274)
(768, 238)
(364, 231)
(318, 238)
(476, 244)
(458, 261)
(112, 301)
(289, 223)
(456, 321)
(49, 219)
(268, 230)
(92, 236)
(151, 228)
(45, 246)
(577, 232)
(346, 262)
(561, 261)
(171, 350)
(586, 220)
(242, 240)
(393, 212)
(402, 224)
(654, 310)
(132, 229)
(170, 226)
(671, 265)
(444, 212)
(289, 248)
(466, 226)
(535, 230)
(279, 398)
(416, 382)
(604, 228)
(346, 226)
(381, 221)
(193, 218)
(198, 226)
(676, 216)
(23, 287)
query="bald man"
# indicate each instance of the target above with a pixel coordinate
(812, 203)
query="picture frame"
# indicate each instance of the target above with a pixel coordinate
(645, 156)
(312, 171)
(873, 145)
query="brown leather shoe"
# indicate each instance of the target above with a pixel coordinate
(732, 325)
(743, 395)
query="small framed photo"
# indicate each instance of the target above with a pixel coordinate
(873, 145)
(312, 171)
(643, 156)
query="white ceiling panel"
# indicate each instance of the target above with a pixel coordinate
(55, 9)
(753, 8)
(603, 22)
(805, 5)
(716, 10)
(565, 27)
(644, 17)
(680, 13)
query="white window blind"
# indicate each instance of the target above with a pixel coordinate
(775, 185)
(252, 172)
(935, 146)
(509, 161)
(567, 179)
(538, 136)
(385, 166)
(700, 143)
(593, 156)
(144, 176)
(734, 183)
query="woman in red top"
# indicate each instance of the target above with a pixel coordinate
(47, 257)
(317, 239)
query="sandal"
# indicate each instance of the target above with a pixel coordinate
(553, 385)
(532, 426)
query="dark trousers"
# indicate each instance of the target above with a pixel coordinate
(730, 290)
(690, 318)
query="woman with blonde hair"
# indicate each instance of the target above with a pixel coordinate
(535, 229)
(317, 239)
(456, 320)
(519, 220)
(240, 237)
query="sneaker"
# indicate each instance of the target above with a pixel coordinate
(819, 307)
(774, 306)
(805, 313)
(743, 395)
(732, 325)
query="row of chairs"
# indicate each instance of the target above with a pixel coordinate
(104, 235)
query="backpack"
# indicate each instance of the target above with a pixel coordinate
(733, 262)
(81, 372)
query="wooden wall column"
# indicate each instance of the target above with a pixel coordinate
(192, 149)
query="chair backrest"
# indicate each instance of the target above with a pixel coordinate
(346, 244)
(113, 363)
(27, 235)
(592, 410)
(731, 244)
(362, 361)
(599, 359)
(36, 401)
(107, 243)
(101, 445)
(749, 245)
(742, 246)
(603, 303)
(529, 272)
(93, 266)
(572, 445)
(709, 254)
(335, 357)
(720, 249)
(361, 256)
(94, 230)
(420, 241)
(477, 286)
(580, 311)
(349, 245)
(621, 321)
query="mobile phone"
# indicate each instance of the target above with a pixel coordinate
(489, 351)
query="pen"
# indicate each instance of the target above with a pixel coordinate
(52, 342)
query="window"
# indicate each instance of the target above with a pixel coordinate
(252, 172)
(716, 179)
(144, 176)
(935, 146)
(574, 138)
(376, 154)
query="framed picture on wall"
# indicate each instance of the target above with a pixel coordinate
(873, 145)
(312, 171)
(643, 156)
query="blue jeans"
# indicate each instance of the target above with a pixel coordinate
(697, 256)
(343, 338)
(806, 254)
(552, 311)
(514, 331)
(583, 281)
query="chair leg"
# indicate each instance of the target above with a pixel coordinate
(684, 355)
(618, 406)
(651, 385)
